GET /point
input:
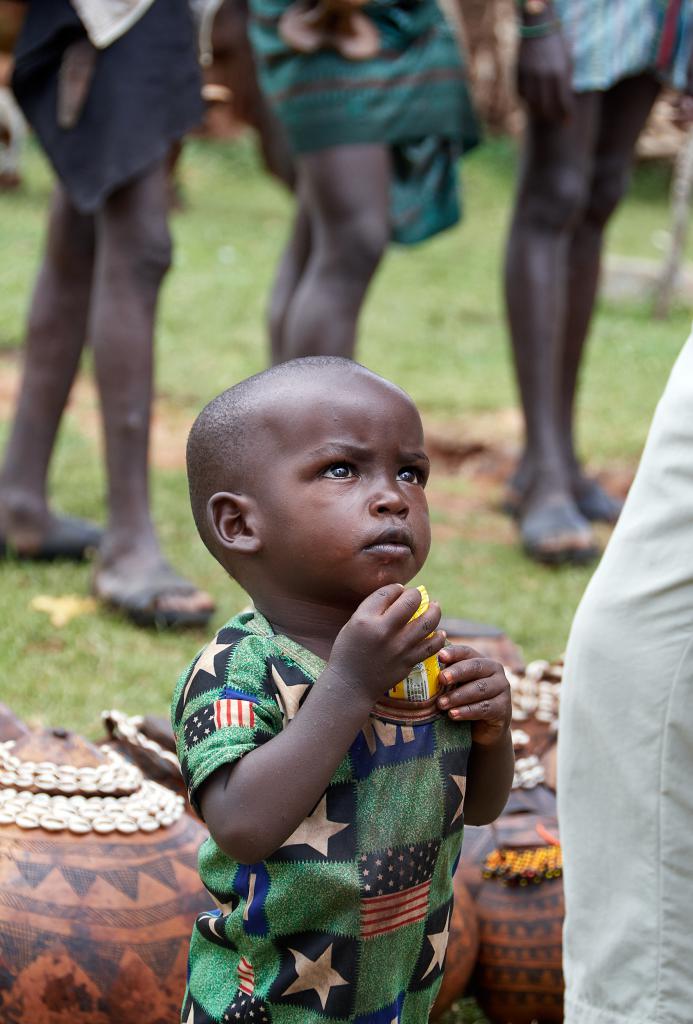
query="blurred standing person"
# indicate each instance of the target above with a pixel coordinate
(108, 88)
(374, 103)
(589, 72)
(625, 750)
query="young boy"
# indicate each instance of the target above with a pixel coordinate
(335, 815)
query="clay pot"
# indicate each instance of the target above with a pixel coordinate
(490, 641)
(11, 727)
(463, 947)
(148, 742)
(94, 927)
(518, 978)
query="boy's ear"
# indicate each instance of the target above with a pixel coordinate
(234, 523)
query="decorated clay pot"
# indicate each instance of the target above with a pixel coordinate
(513, 871)
(490, 641)
(98, 886)
(148, 741)
(463, 947)
(11, 727)
(518, 977)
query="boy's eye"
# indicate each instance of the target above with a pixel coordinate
(339, 471)
(411, 475)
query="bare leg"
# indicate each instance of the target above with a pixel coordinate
(56, 333)
(346, 191)
(133, 254)
(624, 110)
(287, 279)
(552, 195)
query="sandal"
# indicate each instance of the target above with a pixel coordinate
(556, 534)
(593, 502)
(141, 602)
(67, 539)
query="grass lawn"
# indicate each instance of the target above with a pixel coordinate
(433, 323)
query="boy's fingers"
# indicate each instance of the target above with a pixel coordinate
(466, 671)
(401, 610)
(475, 692)
(427, 648)
(423, 624)
(484, 709)
(459, 652)
(381, 599)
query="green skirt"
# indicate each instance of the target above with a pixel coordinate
(412, 96)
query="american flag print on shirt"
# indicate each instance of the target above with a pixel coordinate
(246, 976)
(231, 708)
(233, 711)
(395, 887)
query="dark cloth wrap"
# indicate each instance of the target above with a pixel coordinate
(144, 95)
(412, 96)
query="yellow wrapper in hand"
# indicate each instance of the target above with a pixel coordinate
(422, 682)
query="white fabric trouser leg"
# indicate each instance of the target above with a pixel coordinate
(625, 759)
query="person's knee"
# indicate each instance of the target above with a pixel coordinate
(150, 252)
(136, 244)
(609, 185)
(357, 244)
(554, 201)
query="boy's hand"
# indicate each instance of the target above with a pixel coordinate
(477, 691)
(379, 646)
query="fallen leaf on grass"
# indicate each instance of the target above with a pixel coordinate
(62, 610)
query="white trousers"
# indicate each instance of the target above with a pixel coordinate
(625, 757)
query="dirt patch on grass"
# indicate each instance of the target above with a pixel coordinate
(170, 423)
(473, 456)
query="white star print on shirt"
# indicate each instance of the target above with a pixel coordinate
(316, 830)
(288, 697)
(461, 783)
(205, 663)
(439, 941)
(315, 974)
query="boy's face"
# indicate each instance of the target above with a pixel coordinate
(339, 481)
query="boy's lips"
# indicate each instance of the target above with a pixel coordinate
(396, 541)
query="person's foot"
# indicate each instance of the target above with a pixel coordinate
(554, 532)
(30, 531)
(593, 501)
(142, 586)
(517, 487)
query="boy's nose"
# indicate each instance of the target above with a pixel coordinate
(389, 502)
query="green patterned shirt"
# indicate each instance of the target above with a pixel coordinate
(348, 920)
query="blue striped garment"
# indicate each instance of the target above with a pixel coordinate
(614, 39)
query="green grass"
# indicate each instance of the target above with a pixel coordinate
(433, 323)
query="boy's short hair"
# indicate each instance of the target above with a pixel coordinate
(220, 440)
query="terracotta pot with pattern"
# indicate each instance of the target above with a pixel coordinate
(98, 885)
(518, 976)
(512, 870)
(488, 640)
